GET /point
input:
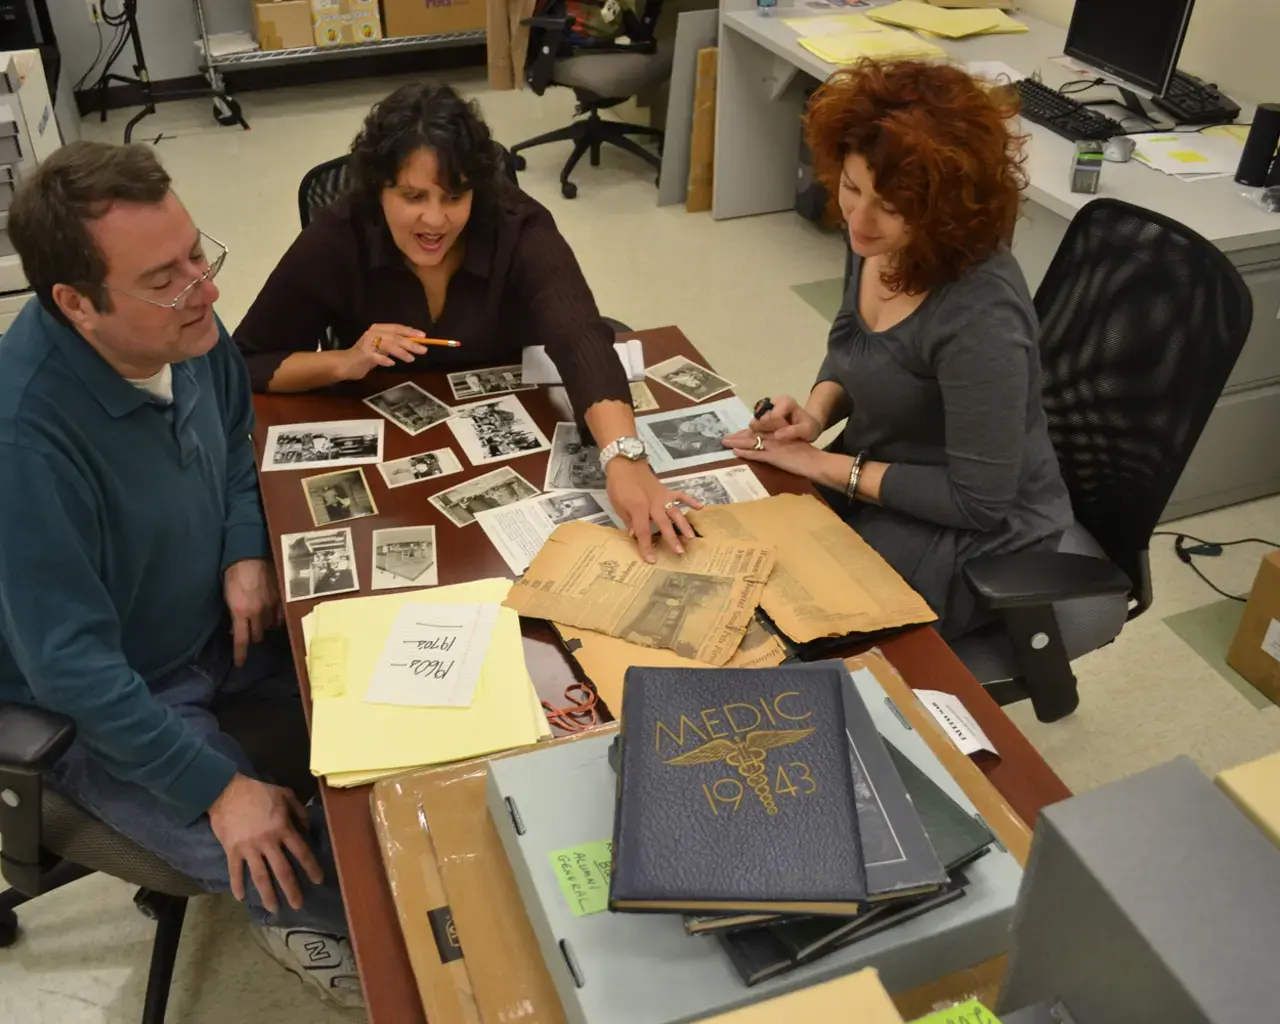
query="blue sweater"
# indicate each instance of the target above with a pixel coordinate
(118, 517)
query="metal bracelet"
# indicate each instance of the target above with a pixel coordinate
(855, 471)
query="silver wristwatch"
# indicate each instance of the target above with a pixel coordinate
(630, 448)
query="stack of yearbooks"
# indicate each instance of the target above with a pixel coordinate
(801, 848)
(749, 832)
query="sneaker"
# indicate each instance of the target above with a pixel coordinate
(324, 962)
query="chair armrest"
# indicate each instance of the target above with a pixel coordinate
(32, 739)
(1030, 578)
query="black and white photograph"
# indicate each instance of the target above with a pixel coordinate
(318, 564)
(573, 466)
(497, 430)
(409, 407)
(493, 490)
(337, 497)
(720, 486)
(678, 610)
(684, 438)
(495, 380)
(337, 443)
(687, 378)
(404, 557)
(642, 399)
(519, 530)
(416, 468)
(571, 505)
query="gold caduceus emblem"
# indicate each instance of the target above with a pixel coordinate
(747, 755)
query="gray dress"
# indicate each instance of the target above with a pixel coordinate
(950, 399)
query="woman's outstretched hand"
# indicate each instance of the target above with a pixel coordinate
(641, 499)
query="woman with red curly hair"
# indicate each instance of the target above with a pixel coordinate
(932, 361)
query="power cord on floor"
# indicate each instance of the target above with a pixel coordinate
(1187, 547)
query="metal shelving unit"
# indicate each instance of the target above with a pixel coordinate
(227, 111)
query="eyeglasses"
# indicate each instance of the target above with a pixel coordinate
(179, 301)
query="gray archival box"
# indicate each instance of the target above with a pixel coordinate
(643, 968)
(1150, 901)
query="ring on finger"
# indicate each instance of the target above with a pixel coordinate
(671, 504)
(377, 344)
(759, 445)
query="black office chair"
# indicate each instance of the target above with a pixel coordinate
(48, 841)
(1141, 321)
(601, 75)
(321, 185)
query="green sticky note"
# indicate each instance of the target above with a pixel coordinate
(583, 872)
(972, 1012)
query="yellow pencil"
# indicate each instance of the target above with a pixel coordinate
(438, 341)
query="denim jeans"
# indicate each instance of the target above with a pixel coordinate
(265, 686)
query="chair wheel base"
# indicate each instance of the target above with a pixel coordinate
(8, 928)
(569, 190)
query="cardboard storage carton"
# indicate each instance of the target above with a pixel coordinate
(429, 17)
(1255, 652)
(1255, 787)
(282, 24)
(343, 22)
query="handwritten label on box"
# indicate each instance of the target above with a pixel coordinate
(583, 873)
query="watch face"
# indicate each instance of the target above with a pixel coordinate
(631, 448)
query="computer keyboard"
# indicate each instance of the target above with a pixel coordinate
(1063, 115)
(1191, 101)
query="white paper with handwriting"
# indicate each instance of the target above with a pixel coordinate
(433, 655)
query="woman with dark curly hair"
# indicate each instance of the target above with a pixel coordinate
(431, 240)
(933, 360)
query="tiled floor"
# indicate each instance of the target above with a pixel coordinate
(747, 293)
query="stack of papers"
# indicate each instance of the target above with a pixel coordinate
(1188, 155)
(950, 24)
(351, 664)
(832, 25)
(888, 44)
(537, 368)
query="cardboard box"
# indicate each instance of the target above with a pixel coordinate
(856, 997)
(344, 22)
(282, 24)
(473, 951)
(1255, 787)
(1255, 652)
(429, 17)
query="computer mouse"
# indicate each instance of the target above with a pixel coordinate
(1119, 149)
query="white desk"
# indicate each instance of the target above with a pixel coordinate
(762, 79)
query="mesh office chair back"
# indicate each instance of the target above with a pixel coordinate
(1141, 321)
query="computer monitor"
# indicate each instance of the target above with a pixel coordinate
(1136, 41)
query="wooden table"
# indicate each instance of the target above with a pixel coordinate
(922, 658)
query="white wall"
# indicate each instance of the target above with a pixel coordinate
(1235, 43)
(167, 27)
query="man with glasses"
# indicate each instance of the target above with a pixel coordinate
(137, 593)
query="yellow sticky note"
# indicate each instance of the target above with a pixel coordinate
(583, 874)
(972, 1012)
(327, 666)
(1188, 156)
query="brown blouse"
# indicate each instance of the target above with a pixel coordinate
(519, 284)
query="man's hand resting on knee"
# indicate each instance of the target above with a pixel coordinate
(254, 823)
